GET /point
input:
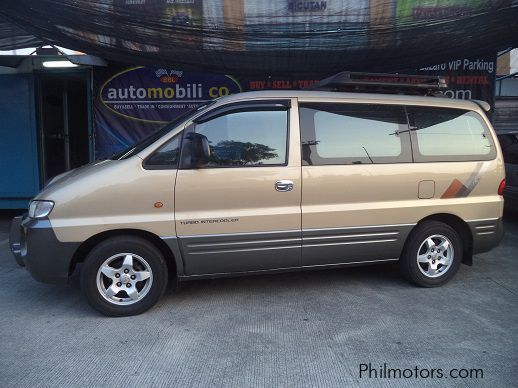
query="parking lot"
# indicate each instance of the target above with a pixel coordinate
(298, 329)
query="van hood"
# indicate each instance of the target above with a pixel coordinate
(68, 177)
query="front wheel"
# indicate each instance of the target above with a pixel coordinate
(432, 254)
(124, 276)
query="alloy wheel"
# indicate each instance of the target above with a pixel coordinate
(435, 256)
(124, 278)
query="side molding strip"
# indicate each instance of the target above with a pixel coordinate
(284, 269)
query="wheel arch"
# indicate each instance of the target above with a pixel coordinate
(86, 246)
(461, 227)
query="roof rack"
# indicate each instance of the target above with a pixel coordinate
(382, 83)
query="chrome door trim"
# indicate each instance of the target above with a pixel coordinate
(244, 250)
(249, 251)
(203, 245)
(238, 233)
(350, 243)
(329, 246)
(356, 227)
(350, 263)
(483, 219)
(290, 230)
(238, 252)
(353, 235)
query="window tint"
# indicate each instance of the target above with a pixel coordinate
(509, 145)
(445, 134)
(252, 138)
(166, 156)
(354, 134)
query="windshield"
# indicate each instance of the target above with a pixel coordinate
(148, 140)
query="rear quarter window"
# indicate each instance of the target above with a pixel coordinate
(446, 134)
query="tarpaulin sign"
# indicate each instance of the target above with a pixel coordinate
(160, 95)
(467, 78)
(132, 103)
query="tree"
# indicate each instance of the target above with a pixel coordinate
(240, 153)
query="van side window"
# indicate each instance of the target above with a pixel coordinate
(353, 134)
(246, 139)
(448, 134)
(165, 157)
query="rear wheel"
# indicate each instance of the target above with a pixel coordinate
(432, 254)
(124, 276)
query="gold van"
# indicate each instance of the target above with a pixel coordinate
(274, 181)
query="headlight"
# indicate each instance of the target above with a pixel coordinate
(40, 209)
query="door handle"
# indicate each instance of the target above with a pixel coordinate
(284, 185)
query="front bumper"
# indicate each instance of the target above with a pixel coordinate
(36, 247)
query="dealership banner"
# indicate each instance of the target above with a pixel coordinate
(130, 103)
(468, 78)
(134, 102)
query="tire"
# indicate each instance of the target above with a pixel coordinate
(422, 264)
(123, 276)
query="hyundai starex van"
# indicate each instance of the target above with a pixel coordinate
(274, 181)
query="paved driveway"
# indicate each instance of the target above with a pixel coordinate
(299, 329)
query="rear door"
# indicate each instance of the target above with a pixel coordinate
(357, 182)
(241, 211)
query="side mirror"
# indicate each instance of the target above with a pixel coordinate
(200, 150)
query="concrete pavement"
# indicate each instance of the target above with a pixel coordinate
(299, 329)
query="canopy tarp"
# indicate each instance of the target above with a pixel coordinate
(258, 37)
(13, 37)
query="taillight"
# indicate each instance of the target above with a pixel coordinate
(501, 187)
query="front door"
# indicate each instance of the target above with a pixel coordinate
(241, 211)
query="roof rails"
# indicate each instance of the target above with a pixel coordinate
(382, 83)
